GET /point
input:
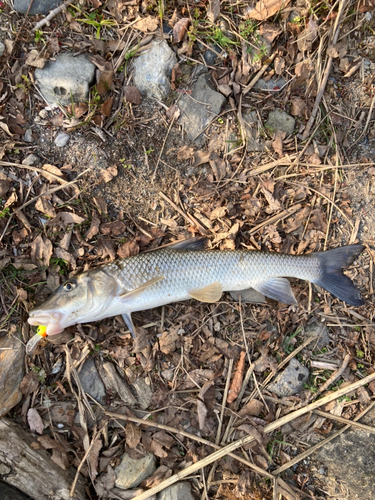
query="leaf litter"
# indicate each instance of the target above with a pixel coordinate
(115, 210)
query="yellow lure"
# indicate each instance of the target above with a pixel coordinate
(41, 330)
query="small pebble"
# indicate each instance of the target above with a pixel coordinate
(43, 113)
(28, 137)
(62, 139)
(31, 160)
(2, 48)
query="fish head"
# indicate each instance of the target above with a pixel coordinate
(81, 299)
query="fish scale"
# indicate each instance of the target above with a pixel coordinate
(185, 271)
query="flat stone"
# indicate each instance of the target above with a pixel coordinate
(195, 116)
(210, 56)
(144, 393)
(291, 380)
(91, 381)
(250, 119)
(2, 49)
(66, 79)
(114, 383)
(272, 84)
(318, 329)
(351, 459)
(279, 120)
(12, 354)
(31, 160)
(248, 296)
(37, 7)
(177, 491)
(132, 471)
(62, 139)
(28, 137)
(152, 70)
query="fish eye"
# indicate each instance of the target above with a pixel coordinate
(69, 286)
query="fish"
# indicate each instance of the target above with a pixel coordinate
(188, 270)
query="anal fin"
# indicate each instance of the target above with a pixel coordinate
(129, 323)
(210, 293)
(278, 289)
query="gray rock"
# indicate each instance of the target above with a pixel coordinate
(153, 69)
(8, 492)
(248, 296)
(177, 491)
(144, 393)
(210, 56)
(2, 49)
(291, 380)
(31, 160)
(12, 355)
(66, 79)
(271, 84)
(195, 117)
(279, 120)
(351, 459)
(319, 330)
(91, 381)
(62, 139)
(250, 119)
(114, 383)
(132, 471)
(37, 7)
(28, 137)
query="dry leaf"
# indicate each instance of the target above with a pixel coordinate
(29, 383)
(101, 204)
(236, 384)
(267, 8)
(4, 146)
(167, 341)
(20, 235)
(132, 94)
(34, 59)
(60, 457)
(67, 256)
(173, 112)
(298, 107)
(179, 29)
(337, 49)
(202, 405)
(253, 408)
(35, 422)
(106, 107)
(161, 474)
(274, 205)
(213, 10)
(128, 249)
(94, 228)
(108, 174)
(115, 228)
(11, 200)
(4, 126)
(53, 170)
(63, 219)
(5, 183)
(277, 142)
(279, 64)
(41, 251)
(148, 23)
(133, 435)
(93, 457)
(307, 37)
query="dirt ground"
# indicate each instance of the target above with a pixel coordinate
(142, 184)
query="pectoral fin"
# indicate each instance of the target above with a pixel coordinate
(140, 289)
(129, 323)
(277, 289)
(210, 293)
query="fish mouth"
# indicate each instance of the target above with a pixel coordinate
(52, 321)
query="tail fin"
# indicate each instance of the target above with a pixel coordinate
(333, 279)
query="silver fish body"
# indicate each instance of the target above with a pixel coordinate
(182, 272)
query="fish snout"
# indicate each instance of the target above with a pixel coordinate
(52, 321)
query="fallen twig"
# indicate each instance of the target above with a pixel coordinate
(51, 15)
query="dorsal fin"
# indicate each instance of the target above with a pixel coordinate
(191, 244)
